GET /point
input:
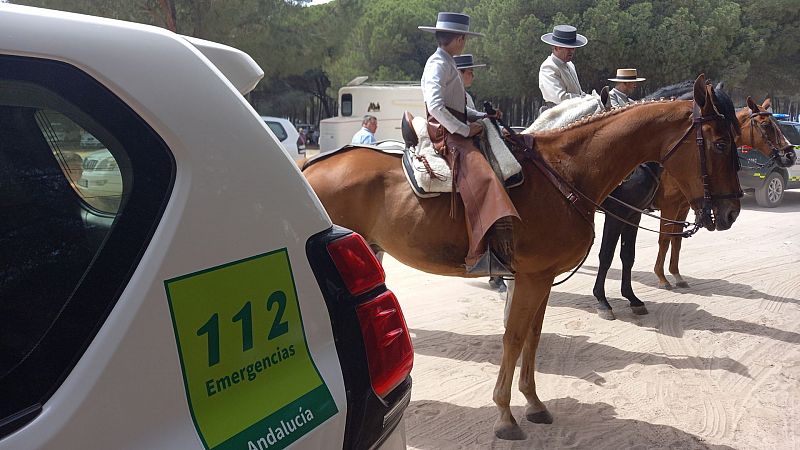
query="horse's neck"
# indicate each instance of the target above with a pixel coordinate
(597, 155)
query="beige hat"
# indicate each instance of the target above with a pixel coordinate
(626, 75)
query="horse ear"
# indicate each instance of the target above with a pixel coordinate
(752, 105)
(700, 90)
(767, 104)
(604, 98)
(720, 86)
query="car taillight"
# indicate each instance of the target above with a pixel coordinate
(356, 263)
(390, 354)
(387, 342)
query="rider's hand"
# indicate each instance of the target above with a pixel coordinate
(497, 114)
(475, 128)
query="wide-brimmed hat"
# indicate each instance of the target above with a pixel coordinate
(451, 23)
(627, 75)
(466, 62)
(565, 36)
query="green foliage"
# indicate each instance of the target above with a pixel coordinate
(307, 53)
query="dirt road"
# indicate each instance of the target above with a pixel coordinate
(716, 365)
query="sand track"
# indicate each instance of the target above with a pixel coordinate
(715, 365)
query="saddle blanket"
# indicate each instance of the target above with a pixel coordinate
(429, 174)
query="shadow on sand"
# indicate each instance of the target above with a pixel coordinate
(576, 356)
(673, 319)
(439, 425)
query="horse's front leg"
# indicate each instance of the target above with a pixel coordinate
(663, 247)
(627, 254)
(611, 232)
(529, 295)
(674, 258)
(535, 411)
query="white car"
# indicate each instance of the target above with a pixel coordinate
(216, 306)
(287, 134)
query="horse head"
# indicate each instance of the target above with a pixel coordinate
(705, 162)
(764, 133)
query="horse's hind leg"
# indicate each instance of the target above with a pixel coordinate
(535, 411)
(611, 232)
(530, 294)
(627, 254)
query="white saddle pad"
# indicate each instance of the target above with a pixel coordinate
(431, 173)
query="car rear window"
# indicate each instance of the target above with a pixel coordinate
(67, 249)
(278, 129)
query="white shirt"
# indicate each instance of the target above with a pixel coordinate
(558, 80)
(470, 108)
(618, 98)
(442, 88)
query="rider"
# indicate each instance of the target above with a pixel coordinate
(486, 203)
(465, 65)
(625, 80)
(558, 79)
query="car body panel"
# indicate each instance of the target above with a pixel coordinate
(127, 390)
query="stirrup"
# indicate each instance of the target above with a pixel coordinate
(489, 265)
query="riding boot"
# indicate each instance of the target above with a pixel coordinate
(497, 259)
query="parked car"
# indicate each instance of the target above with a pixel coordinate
(287, 134)
(217, 307)
(763, 177)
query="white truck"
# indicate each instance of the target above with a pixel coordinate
(384, 100)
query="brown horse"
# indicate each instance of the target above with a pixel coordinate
(366, 191)
(758, 131)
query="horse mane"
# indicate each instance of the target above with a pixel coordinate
(725, 107)
(677, 90)
(565, 113)
(603, 114)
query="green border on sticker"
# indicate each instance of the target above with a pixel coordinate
(247, 370)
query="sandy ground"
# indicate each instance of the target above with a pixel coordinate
(715, 366)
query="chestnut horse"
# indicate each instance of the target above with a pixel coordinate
(758, 131)
(640, 192)
(367, 192)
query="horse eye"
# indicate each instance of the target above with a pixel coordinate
(720, 146)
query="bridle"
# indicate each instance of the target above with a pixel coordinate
(706, 215)
(775, 150)
(586, 206)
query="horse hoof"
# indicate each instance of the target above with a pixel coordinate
(666, 285)
(541, 416)
(498, 284)
(682, 284)
(639, 310)
(606, 314)
(510, 432)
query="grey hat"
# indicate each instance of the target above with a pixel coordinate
(565, 36)
(466, 62)
(451, 23)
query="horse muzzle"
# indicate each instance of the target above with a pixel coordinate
(725, 213)
(786, 157)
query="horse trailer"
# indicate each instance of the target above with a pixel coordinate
(384, 100)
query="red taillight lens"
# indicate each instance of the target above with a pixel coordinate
(387, 341)
(356, 263)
